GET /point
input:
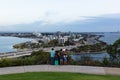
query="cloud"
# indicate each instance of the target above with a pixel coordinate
(53, 11)
(64, 15)
(101, 23)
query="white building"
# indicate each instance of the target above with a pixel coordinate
(62, 40)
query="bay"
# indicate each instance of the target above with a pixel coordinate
(6, 43)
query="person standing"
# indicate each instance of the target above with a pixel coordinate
(61, 57)
(52, 54)
(56, 58)
(64, 57)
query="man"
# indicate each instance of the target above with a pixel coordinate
(52, 54)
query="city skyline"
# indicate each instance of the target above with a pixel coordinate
(62, 15)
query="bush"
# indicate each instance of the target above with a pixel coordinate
(105, 62)
(40, 57)
(70, 60)
(86, 60)
(29, 60)
(11, 62)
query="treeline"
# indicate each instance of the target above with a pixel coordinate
(27, 45)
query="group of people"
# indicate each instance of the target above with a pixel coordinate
(58, 57)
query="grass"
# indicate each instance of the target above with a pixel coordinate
(56, 76)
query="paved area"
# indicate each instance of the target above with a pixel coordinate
(63, 68)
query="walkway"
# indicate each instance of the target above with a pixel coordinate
(64, 68)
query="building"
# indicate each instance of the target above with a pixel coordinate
(62, 40)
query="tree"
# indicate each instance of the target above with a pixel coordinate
(53, 42)
(114, 52)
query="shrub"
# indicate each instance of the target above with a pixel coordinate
(40, 57)
(70, 60)
(29, 60)
(105, 62)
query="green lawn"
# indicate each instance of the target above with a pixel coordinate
(57, 76)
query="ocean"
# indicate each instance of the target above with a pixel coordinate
(110, 38)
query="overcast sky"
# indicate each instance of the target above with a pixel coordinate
(52, 12)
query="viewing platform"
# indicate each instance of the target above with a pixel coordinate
(61, 68)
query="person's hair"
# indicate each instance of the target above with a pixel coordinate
(52, 49)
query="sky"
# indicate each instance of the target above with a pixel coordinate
(63, 15)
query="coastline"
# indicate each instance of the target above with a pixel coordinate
(7, 43)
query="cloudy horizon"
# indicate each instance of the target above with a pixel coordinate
(62, 15)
